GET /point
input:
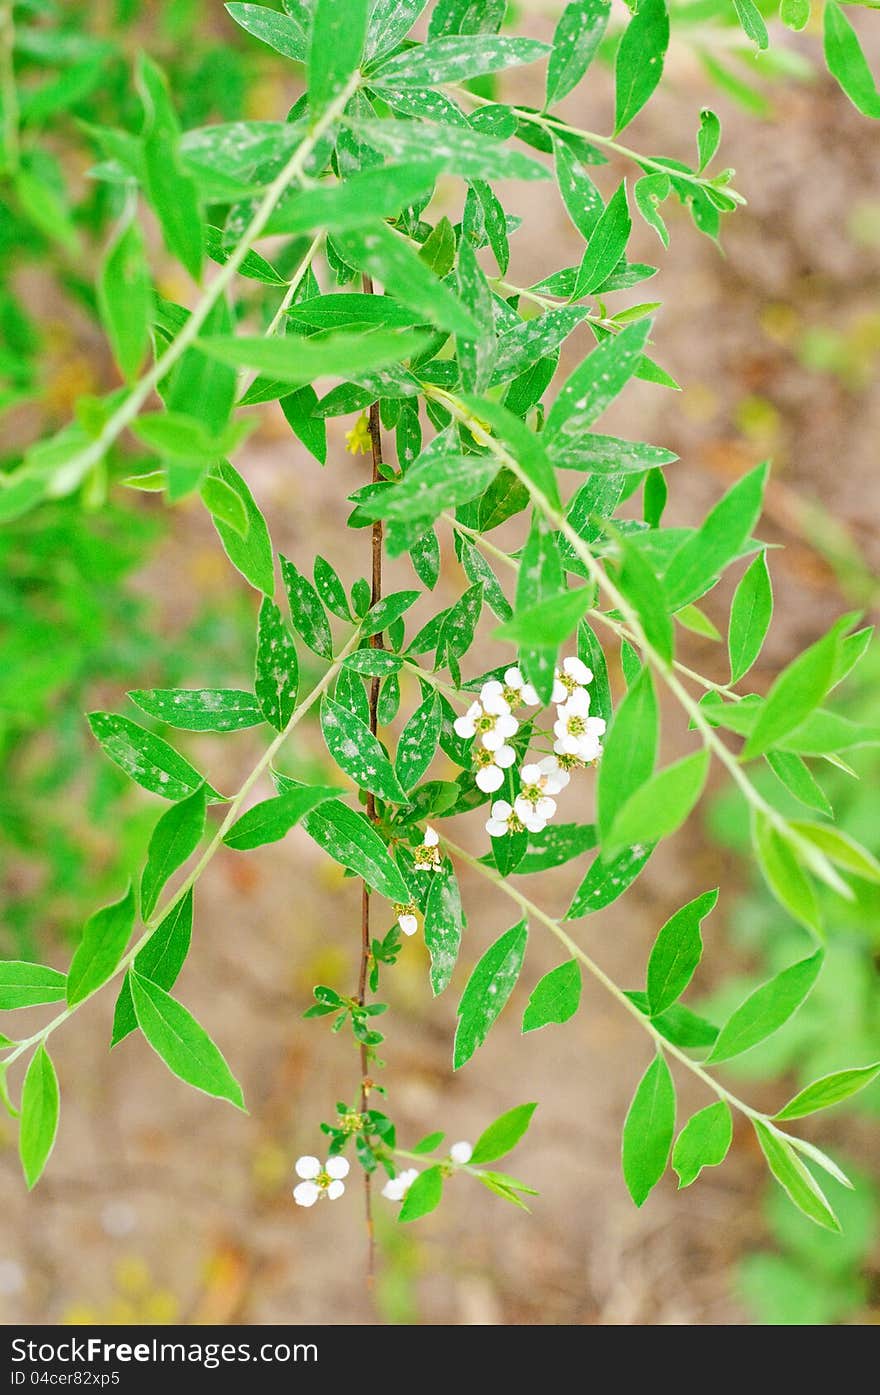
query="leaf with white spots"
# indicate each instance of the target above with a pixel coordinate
(456, 58)
(488, 989)
(444, 922)
(358, 752)
(272, 819)
(200, 709)
(532, 339)
(350, 839)
(435, 482)
(147, 759)
(605, 881)
(575, 41)
(459, 627)
(339, 32)
(468, 153)
(639, 62)
(418, 742)
(606, 455)
(276, 676)
(306, 610)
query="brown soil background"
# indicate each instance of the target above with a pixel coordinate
(162, 1205)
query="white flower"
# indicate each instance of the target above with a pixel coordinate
(505, 819)
(490, 719)
(533, 803)
(574, 674)
(466, 726)
(491, 766)
(461, 1153)
(427, 857)
(551, 768)
(396, 1188)
(406, 917)
(577, 734)
(319, 1181)
(517, 691)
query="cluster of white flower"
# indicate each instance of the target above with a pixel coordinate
(319, 1182)
(490, 723)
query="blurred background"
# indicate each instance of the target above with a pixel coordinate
(159, 1205)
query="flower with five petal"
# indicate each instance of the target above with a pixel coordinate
(491, 766)
(572, 675)
(319, 1182)
(490, 719)
(396, 1188)
(577, 733)
(533, 803)
(517, 692)
(428, 857)
(505, 819)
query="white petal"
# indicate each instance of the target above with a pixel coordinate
(464, 727)
(513, 678)
(545, 808)
(493, 740)
(306, 1193)
(535, 825)
(505, 756)
(408, 924)
(530, 774)
(408, 1176)
(588, 748)
(337, 1167)
(489, 778)
(577, 669)
(461, 1152)
(523, 809)
(307, 1166)
(494, 703)
(578, 704)
(507, 725)
(552, 784)
(496, 828)
(393, 1189)
(560, 728)
(335, 1190)
(502, 810)
(596, 726)
(491, 689)
(529, 695)
(560, 692)
(431, 838)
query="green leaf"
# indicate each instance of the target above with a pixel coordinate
(330, 589)
(648, 1130)
(297, 360)
(364, 199)
(708, 137)
(288, 34)
(376, 663)
(276, 676)
(830, 1090)
(454, 59)
(783, 873)
(125, 300)
(577, 37)
(549, 622)
(557, 844)
(606, 880)
(350, 840)
(487, 991)
(104, 939)
(583, 202)
(358, 752)
(629, 751)
(839, 847)
(794, 1177)
(752, 22)
(161, 960)
(677, 952)
(423, 1196)
(429, 1142)
(200, 709)
(251, 553)
(418, 742)
(391, 21)
(795, 14)
(750, 615)
(847, 62)
(174, 839)
(766, 1009)
(382, 254)
(592, 654)
(718, 540)
(660, 805)
(467, 153)
(444, 922)
(171, 191)
(339, 32)
(271, 819)
(606, 246)
(798, 689)
(438, 480)
(523, 344)
(639, 63)
(298, 408)
(555, 997)
(502, 1136)
(649, 193)
(703, 1142)
(797, 778)
(523, 444)
(222, 502)
(641, 587)
(39, 1115)
(594, 385)
(179, 1040)
(24, 984)
(306, 610)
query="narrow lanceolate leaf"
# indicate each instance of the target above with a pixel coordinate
(641, 587)
(847, 62)
(350, 840)
(171, 191)
(179, 1040)
(577, 36)
(454, 59)
(830, 1090)
(594, 385)
(703, 1142)
(677, 952)
(358, 752)
(648, 1130)
(557, 844)
(339, 32)
(797, 691)
(464, 152)
(783, 873)
(23, 984)
(794, 1176)
(418, 742)
(175, 837)
(288, 34)
(752, 22)
(125, 300)
(385, 256)
(708, 137)
(796, 776)
(444, 922)
(503, 1134)
(276, 675)
(607, 245)
(526, 448)
(488, 989)
(391, 21)
(554, 998)
(271, 819)
(161, 960)
(423, 1196)
(433, 483)
(297, 360)
(104, 939)
(630, 749)
(250, 554)
(718, 540)
(639, 64)
(523, 344)
(306, 610)
(549, 622)
(607, 880)
(767, 1009)
(750, 615)
(39, 1115)
(607, 455)
(839, 848)
(200, 709)
(146, 758)
(660, 805)
(476, 356)
(364, 198)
